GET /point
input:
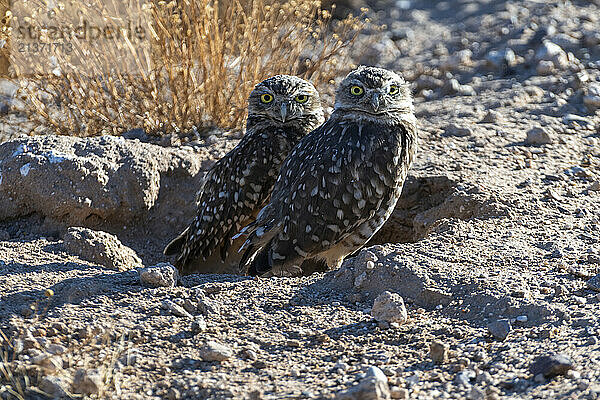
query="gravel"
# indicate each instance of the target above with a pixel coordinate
(160, 275)
(488, 229)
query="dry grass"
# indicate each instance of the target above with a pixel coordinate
(201, 61)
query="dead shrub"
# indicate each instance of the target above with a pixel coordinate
(194, 68)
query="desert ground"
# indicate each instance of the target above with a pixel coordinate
(491, 258)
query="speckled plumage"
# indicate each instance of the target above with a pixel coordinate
(341, 182)
(240, 183)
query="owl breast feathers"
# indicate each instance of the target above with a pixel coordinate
(341, 182)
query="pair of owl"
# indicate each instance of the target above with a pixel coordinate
(297, 193)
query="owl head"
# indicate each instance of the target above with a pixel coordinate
(285, 100)
(370, 92)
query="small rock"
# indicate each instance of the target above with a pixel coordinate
(575, 375)
(130, 357)
(159, 275)
(491, 117)
(399, 393)
(56, 349)
(460, 131)
(87, 381)
(592, 97)
(549, 366)
(549, 51)
(538, 136)
(389, 307)
(199, 324)
(454, 87)
(54, 386)
(428, 82)
(595, 186)
(457, 60)
(102, 248)
(465, 377)
(175, 309)
(500, 60)
(374, 386)
(591, 38)
(594, 283)
(521, 318)
(173, 394)
(213, 351)
(438, 352)
(484, 377)
(499, 329)
(50, 364)
(476, 394)
(578, 122)
(545, 68)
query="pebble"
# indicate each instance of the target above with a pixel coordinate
(213, 351)
(465, 377)
(578, 122)
(159, 275)
(500, 329)
(56, 349)
(595, 186)
(398, 393)
(459, 131)
(175, 309)
(389, 307)
(374, 386)
(54, 386)
(199, 324)
(537, 136)
(545, 68)
(428, 82)
(500, 60)
(476, 394)
(579, 300)
(454, 87)
(594, 283)
(552, 52)
(438, 351)
(575, 375)
(87, 381)
(50, 364)
(592, 97)
(521, 318)
(491, 117)
(551, 365)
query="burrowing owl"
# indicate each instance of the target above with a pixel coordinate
(341, 182)
(281, 111)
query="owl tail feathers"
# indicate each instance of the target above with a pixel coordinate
(256, 247)
(175, 246)
(261, 263)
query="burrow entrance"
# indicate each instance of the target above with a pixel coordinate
(428, 200)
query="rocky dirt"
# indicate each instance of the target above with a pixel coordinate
(484, 284)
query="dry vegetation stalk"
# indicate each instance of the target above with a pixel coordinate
(201, 60)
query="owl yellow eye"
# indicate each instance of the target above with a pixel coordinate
(357, 90)
(394, 89)
(302, 98)
(266, 98)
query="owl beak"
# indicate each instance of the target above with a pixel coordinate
(375, 102)
(284, 112)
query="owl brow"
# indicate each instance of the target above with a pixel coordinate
(261, 91)
(356, 82)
